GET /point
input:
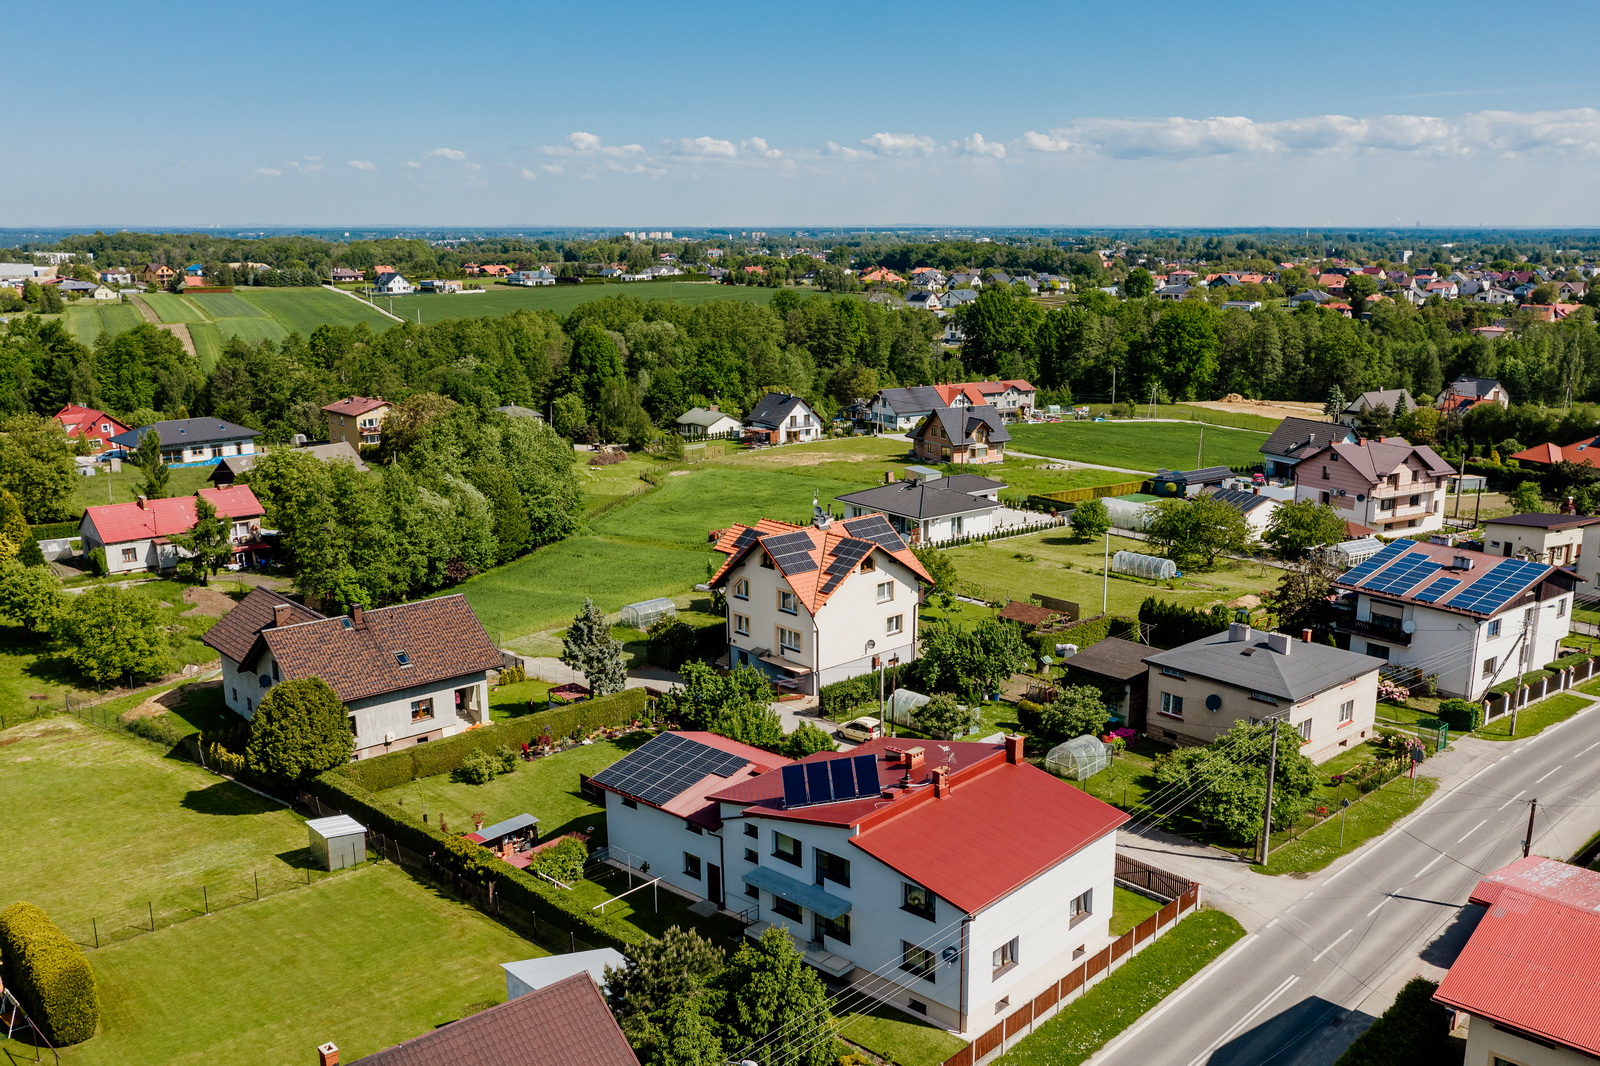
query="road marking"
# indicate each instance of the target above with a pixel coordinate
(1503, 758)
(1239, 1026)
(1509, 802)
(1168, 1003)
(1270, 924)
(1474, 829)
(1590, 748)
(1381, 902)
(1428, 867)
(1547, 774)
(1330, 947)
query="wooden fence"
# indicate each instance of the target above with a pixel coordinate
(1559, 681)
(1022, 1021)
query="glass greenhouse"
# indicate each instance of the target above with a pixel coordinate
(645, 613)
(1152, 566)
(1079, 758)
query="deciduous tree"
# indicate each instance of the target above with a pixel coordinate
(1298, 526)
(36, 466)
(112, 633)
(774, 1001)
(1077, 710)
(944, 716)
(147, 457)
(1228, 779)
(299, 730)
(208, 542)
(1195, 533)
(1090, 519)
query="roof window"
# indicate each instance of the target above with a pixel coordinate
(402, 658)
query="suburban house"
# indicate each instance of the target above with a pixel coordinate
(357, 420)
(229, 470)
(1256, 508)
(881, 862)
(928, 507)
(1471, 618)
(341, 275)
(925, 301)
(1556, 539)
(558, 1025)
(90, 425)
(1389, 399)
(157, 274)
(116, 277)
(706, 422)
(810, 605)
(1189, 482)
(779, 418)
(192, 441)
(1463, 394)
(1198, 691)
(442, 285)
(961, 435)
(407, 674)
(137, 536)
(1296, 438)
(530, 278)
(1525, 978)
(1584, 452)
(392, 284)
(894, 410)
(1117, 666)
(1389, 485)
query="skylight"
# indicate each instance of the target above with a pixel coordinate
(402, 658)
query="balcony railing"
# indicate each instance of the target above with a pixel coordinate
(1385, 631)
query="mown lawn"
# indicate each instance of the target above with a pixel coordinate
(1084, 1026)
(1129, 908)
(694, 502)
(1534, 718)
(897, 1038)
(512, 701)
(1139, 445)
(1369, 817)
(364, 960)
(123, 486)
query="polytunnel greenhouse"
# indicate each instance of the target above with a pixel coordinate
(1079, 758)
(1151, 566)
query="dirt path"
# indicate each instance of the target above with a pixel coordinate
(364, 303)
(1238, 405)
(179, 330)
(146, 310)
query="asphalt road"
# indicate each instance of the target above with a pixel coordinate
(1300, 987)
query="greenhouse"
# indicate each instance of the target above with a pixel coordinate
(1151, 566)
(646, 613)
(1079, 758)
(1128, 512)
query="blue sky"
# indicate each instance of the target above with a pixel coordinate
(634, 115)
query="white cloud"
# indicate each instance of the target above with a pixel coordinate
(446, 153)
(413, 164)
(758, 146)
(528, 175)
(360, 164)
(976, 145)
(474, 166)
(899, 143)
(272, 172)
(553, 168)
(708, 146)
(586, 145)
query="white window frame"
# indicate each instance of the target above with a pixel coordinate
(1347, 712)
(784, 640)
(788, 598)
(741, 624)
(741, 589)
(895, 625)
(1494, 628)
(1304, 729)
(1171, 706)
(885, 591)
(1489, 665)
(1082, 904)
(1005, 956)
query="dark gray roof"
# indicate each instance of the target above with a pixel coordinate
(1295, 434)
(959, 423)
(1472, 386)
(772, 409)
(703, 416)
(186, 431)
(1314, 295)
(913, 400)
(1251, 665)
(913, 499)
(1210, 475)
(970, 483)
(1240, 500)
(1113, 657)
(1545, 521)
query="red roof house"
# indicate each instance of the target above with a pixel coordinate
(1583, 452)
(136, 536)
(89, 424)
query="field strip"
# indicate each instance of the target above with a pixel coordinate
(366, 303)
(146, 310)
(180, 330)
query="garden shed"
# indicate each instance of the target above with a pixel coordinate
(645, 613)
(1079, 758)
(337, 842)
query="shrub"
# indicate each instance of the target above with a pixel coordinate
(299, 730)
(49, 975)
(224, 761)
(563, 861)
(1574, 659)
(1533, 677)
(1461, 715)
(478, 768)
(513, 675)
(1172, 624)
(844, 696)
(1415, 1031)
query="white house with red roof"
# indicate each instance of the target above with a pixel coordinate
(137, 536)
(811, 605)
(1526, 978)
(91, 425)
(882, 862)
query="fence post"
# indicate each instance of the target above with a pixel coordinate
(205, 898)
(152, 906)
(96, 927)
(257, 875)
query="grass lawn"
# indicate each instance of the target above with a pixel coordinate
(603, 484)
(26, 673)
(1533, 718)
(500, 300)
(1056, 564)
(365, 959)
(87, 319)
(688, 506)
(1084, 1026)
(99, 823)
(511, 701)
(123, 487)
(546, 788)
(897, 1038)
(1128, 909)
(226, 305)
(303, 310)
(1369, 817)
(1138, 445)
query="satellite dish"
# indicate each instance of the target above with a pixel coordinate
(1408, 626)
(1213, 702)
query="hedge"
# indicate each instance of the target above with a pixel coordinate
(1415, 1031)
(444, 756)
(847, 695)
(54, 530)
(1533, 677)
(1460, 715)
(49, 975)
(1577, 658)
(1084, 633)
(1172, 625)
(1052, 500)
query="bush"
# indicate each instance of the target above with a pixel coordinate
(564, 861)
(1172, 625)
(299, 731)
(224, 761)
(513, 675)
(1533, 677)
(1460, 715)
(1415, 1031)
(480, 767)
(1577, 658)
(841, 697)
(49, 975)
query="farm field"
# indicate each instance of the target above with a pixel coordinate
(1139, 445)
(171, 307)
(689, 505)
(87, 319)
(225, 305)
(504, 299)
(303, 310)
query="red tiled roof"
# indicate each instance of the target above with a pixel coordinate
(1027, 613)
(355, 405)
(1533, 962)
(116, 523)
(1584, 451)
(561, 1024)
(83, 420)
(824, 543)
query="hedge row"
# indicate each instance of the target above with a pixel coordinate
(847, 695)
(1460, 715)
(1084, 633)
(336, 789)
(1533, 677)
(49, 975)
(1094, 492)
(1172, 625)
(443, 756)
(1577, 658)
(54, 530)
(1415, 1031)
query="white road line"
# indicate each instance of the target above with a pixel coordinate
(1474, 829)
(1240, 1025)
(1590, 748)
(1510, 801)
(1428, 867)
(1503, 758)
(1270, 924)
(1168, 1003)
(1381, 902)
(1547, 774)
(1330, 947)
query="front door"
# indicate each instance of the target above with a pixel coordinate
(714, 883)
(1507, 551)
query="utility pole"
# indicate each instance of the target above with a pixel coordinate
(1533, 806)
(1105, 576)
(1266, 814)
(1113, 386)
(1199, 451)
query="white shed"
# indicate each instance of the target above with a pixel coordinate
(338, 842)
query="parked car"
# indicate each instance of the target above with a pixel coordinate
(861, 729)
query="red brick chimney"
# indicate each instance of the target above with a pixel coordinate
(356, 618)
(327, 1055)
(1305, 635)
(1014, 748)
(941, 782)
(142, 501)
(280, 614)
(1361, 442)
(914, 758)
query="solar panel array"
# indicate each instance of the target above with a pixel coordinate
(846, 554)
(792, 552)
(1493, 590)
(1434, 592)
(1404, 574)
(830, 780)
(747, 536)
(1376, 563)
(666, 766)
(877, 529)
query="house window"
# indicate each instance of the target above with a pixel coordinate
(786, 848)
(741, 624)
(741, 589)
(1304, 729)
(1168, 671)
(831, 867)
(1083, 904)
(751, 857)
(1561, 608)
(1005, 957)
(236, 694)
(1415, 500)
(632, 805)
(1262, 697)
(917, 960)
(1347, 712)
(130, 554)
(766, 561)
(868, 564)
(1324, 473)
(788, 640)
(696, 830)
(354, 731)
(1171, 706)
(1489, 665)
(837, 928)
(1386, 505)
(1378, 651)
(885, 591)
(896, 624)
(1494, 628)
(1002, 1005)
(750, 830)
(691, 866)
(786, 908)
(787, 603)
(422, 710)
(916, 899)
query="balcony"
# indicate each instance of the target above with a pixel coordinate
(1386, 630)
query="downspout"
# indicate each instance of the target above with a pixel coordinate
(722, 861)
(816, 657)
(965, 923)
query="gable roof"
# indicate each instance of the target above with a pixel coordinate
(1380, 397)
(960, 423)
(1028, 614)
(1544, 521)
(702, 416)
(773, 408)
(557, 1025)
(1296, 438)
(1478, 387)
(340, 450)
(355, 405)
(1376, 459)
(912, 400)
(236, 633)
(658, 763)
(1242, 500)
(917, 499)
(439, 638)
(1113, 657)
(1427, 575)
(1584, 451)
(77, 419)
(187, 431)
(1250, 663)
(812, 552)
(117, 523)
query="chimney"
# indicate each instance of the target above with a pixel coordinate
(1280, 643)
(714, 407)
(327, 1055)
(1014, 748)
(142, 501)
(941, 781)
(280, 614)
(1239, 631)
(888, 477)
(1305, 636)
(914, 758)
(1361, 442)
(355, 616)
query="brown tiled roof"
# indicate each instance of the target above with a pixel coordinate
(440, 639)
(563, 1024)
(1027, 613)
(236, 634)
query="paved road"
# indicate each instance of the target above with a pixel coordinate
(1320, 963)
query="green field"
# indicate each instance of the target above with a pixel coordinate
(87, 319)
(225, 305)
(123, 486)
(171, 307)
(1139, 445)
(303, 310)
(687, 507)
(500, 300)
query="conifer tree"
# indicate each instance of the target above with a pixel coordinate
(590, 649)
